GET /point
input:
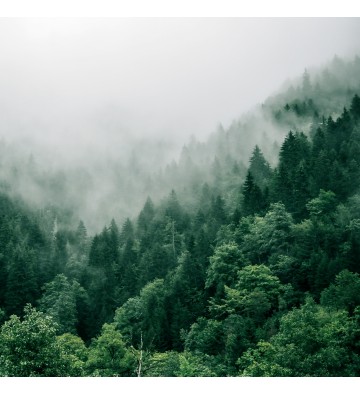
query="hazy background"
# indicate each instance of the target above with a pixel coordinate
(94, 108)
(73, 82)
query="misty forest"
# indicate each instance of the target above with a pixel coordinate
(240, 257)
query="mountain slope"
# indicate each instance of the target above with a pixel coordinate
(248, 266)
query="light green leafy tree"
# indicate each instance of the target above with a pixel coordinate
(109, 356)
(60, 300)
(165, 364)
(269, 235)
(312, 341)
(344, 293)
(196, 364)
(224, 339)
(322, 206)
(206, 336)
(76, 350)
(144, 317)
(29, 347)
(224, 264)
(256, 293)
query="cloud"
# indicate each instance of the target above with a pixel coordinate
(78, 92)
(155, 77)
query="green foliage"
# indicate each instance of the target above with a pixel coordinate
(355, 107)
(224, 264)
(260, 169)
(344, 293)
(268, 235)
(290, 185)
(76, 351)
(253, 199)
(199, 365)
(30, 348)
(21, 287)
(205, 336)
(185, 300)
(322, 206)
(144, 314)
(59, 301)
(255, 294)
(312, 341)
(165, 364)
(108, 355)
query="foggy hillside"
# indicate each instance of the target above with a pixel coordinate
(180, 197)
(114, 178)
(239, 266)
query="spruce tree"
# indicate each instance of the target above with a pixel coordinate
(252, 196)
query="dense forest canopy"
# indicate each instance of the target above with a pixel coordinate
(240, 258)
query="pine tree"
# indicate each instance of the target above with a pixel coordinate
(21, 287)
(218, 210)
(81, 233)
(306, 84)
(294, 163)
(173, 209)
(252, 196)
(355, 107)
(127, 231)
(143, 227)
(260, 168)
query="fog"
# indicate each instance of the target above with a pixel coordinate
(97, 79)
(82, 92)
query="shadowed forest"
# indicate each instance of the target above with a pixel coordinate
(240, 257)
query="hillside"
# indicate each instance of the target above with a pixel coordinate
(242, 259)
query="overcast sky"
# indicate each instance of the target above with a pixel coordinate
(82, 79)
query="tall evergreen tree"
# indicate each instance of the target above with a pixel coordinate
(21, 287)
(260, 168)
(253, 201)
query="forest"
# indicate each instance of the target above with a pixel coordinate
(244, 261)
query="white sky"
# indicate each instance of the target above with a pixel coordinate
(89, 78)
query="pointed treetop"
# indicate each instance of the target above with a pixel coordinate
(355, 107)
(81, 231)
(127, 230)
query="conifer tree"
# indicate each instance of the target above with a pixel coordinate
(252, 196)
(260, 168)
(21, 287)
